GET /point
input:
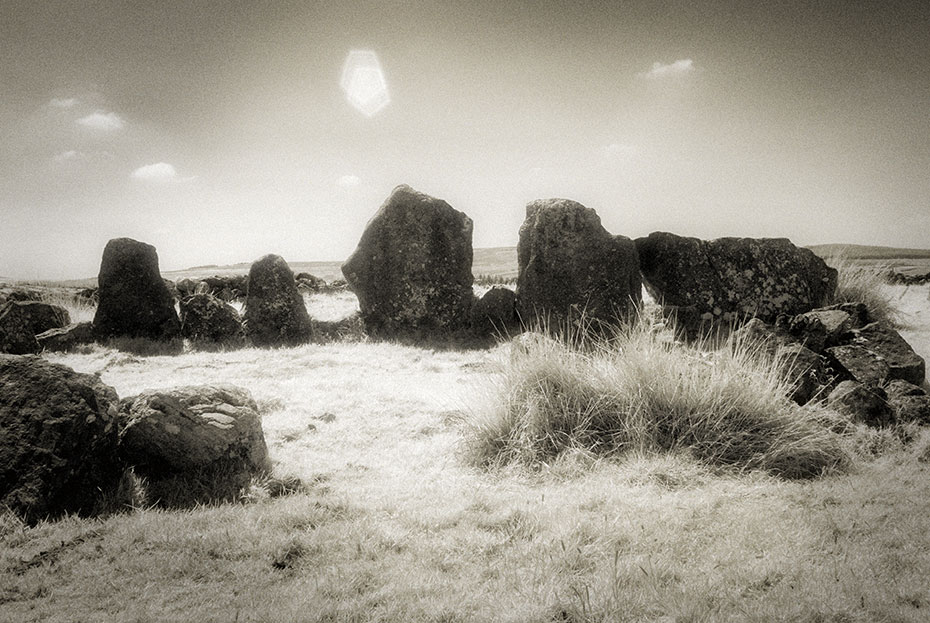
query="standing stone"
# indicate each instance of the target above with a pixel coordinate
(570, 265)
(205, 318)
(21, 321)
(58, 438)
(275, 314)
(411, 270)
(134, 300)
(731, 279)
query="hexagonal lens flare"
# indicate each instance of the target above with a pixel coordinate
(364, 83)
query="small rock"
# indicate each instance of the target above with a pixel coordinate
(862, 403)
(495, 312)
(205, 318)
(66, 338)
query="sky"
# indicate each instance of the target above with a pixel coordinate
(222, 131)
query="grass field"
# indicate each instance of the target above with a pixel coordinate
(397, 522)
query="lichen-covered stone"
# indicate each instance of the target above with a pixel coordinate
(133, 299)
(882, 340)
(411, 270)
(275, 314)
(21, 321)
(860, 364)
(571, 267)
(205, 318)
(58, 438)
(820, 328)
(731, 279)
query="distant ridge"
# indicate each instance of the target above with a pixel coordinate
(867, 252)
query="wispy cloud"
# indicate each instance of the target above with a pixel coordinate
(105, 121)
(158, 172)
(65, 156)
(62, 102)
(348, 181)
(660, 70)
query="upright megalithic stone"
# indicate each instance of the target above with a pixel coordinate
(411, 270)
(275, 314)
(133, 299)
(572, 268)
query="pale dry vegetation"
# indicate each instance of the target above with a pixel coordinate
(420, 502)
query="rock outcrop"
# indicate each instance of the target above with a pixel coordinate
(862, 403)
(571, 267)
(58, 438)
(877, 353)
(704, 283)
(411, 270)
(133, 299)
(275, 314)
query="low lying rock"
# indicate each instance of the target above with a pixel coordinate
(58, 438)
(66, 338)
(862, 403)
(820, 328)
(205, 318)
(495, 312)
(195, 432)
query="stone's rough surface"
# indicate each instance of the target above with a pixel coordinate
(808, 373)
(188, 429)
(858, 313)
(866, 404)
(411, 270)
(275, 314)
(134, 301)
(205, 318)
(58, 438)
(914, 408)
(495, 312)
(899, 389)
(860, 364)
(820, 328)
(21, 321)
(66, 338)
(732, 278)
(885, 342)
(570, 265)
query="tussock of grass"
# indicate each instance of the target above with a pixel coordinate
(639, 391)
(859, 283)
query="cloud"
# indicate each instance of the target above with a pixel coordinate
(348, 181)
(62, 102)
(679, 67)
(158, 172)
(65, 156)
(99, 120)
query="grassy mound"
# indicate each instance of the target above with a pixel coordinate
(640, 391)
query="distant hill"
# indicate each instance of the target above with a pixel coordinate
(866, 252)
(502, 262)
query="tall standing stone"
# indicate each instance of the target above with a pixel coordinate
(571, 266)
(133, 299)
(411, 270)
(275, 314)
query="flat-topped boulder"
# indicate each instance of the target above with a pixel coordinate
(200, 433)
(571, 267)
(411, 270)
(275, 314)
(134, 300)
(730, 279)
(208, 319)
(58, 438)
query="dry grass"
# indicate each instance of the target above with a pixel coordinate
(641, 391)
(859, 282)
(394, 524)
